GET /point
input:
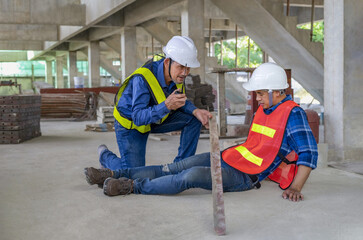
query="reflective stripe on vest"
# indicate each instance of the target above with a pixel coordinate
(263, 142)
(156, 92)
(263, 130)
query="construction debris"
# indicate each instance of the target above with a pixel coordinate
(105, 115)
(81, 106)
(216, 173)
(102, 127)
(200, 94)
(20, 118)
(108, 97)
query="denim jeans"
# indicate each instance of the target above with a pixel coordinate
(191, 172)
(132, 143)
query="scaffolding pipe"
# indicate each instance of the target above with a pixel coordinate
(235, 63)
(312, 20)
(152, 46)
(222, 51)
(287, 7)
(248, 53)
(265, 57)
(210, 37)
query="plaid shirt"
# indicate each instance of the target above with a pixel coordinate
(298, 137)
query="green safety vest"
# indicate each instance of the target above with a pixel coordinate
(156, 91)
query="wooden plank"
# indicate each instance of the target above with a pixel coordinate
(221, 92)
(216, 173)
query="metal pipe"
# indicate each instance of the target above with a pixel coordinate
(287, 7)
(210, 37)
(152, 46)
(265, 57)
(248, 52)
(236, 48)
(222, 51)
(312, 20)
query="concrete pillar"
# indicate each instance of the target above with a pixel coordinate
(59, 83)
(192, 25)
(72, 68)
(94, 64)
(343, 79)
(49, 73)
(128, 51)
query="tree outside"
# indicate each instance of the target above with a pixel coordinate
(318, 31)
(229, 55)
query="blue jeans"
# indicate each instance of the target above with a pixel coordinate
(132, 143)
(191, 172)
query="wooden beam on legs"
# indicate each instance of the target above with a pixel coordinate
(216, 173)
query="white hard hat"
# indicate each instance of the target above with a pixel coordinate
(269, 76)
(181, 49)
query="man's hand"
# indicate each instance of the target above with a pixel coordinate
(203, 116)
(292, 195)
(175, 101)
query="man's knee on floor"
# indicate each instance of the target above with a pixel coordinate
(197, 175)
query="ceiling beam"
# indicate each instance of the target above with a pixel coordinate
(101, 33)
(157, 28)
(42, 12)
(306, 3)
(144, 10)
(75, 46)
(115, 20)
(21, 45)
(32, 32)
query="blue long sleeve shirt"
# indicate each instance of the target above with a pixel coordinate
(298, 137)
(137, 103)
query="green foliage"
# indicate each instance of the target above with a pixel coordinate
(318, 31)
(22, 68)
(242, 53)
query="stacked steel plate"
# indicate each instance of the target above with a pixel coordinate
(19, 118)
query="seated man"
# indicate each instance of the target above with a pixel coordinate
(279, 127)
(152, 99)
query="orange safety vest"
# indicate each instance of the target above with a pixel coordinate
(284, 174)
(263, 144)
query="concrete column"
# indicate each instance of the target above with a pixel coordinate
(72, 68)
(128, 51)
(343, 79)
(94, 64)
(59, 83)
(49, 73)
(192, 25)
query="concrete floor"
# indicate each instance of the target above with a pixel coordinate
(44, 195)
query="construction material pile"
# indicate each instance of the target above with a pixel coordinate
(200, 94)
(105, 114)
(19, 118)
(81, 106)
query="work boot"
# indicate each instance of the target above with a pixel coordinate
(97, 176)
(121, 186)
(100, 150)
